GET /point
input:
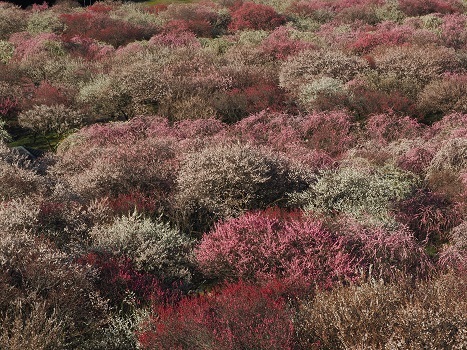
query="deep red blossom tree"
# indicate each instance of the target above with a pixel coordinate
(117, 278)
(250, 15)
(280, 44)
(238, 316)
(202, 19)
(100, 26)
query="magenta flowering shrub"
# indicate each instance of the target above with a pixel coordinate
(234, 317)
(88, 48)
(384, 253)
(389, 34)
(385, 128)
(48, 94)
(275, 130)
(203, 20)
(100, 26)
(250, 15)
(258, 247)
(118, 278)
(27, 45)
(280, 44)
(173, 37)
(330, 132)
(8, 106)
(451, 126)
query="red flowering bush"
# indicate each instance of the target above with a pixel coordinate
(364, 101)
(238, 316)
(125, 203)
(204, 20)
(385, 34)
(118, 281)
(300, 146)
(249, 15)
(100, 26)
(8, 105)
(48, 94)
(269, 129)
(88, 48)
(259, 247)
(280, 44)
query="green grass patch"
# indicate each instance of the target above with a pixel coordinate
(47, 142)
